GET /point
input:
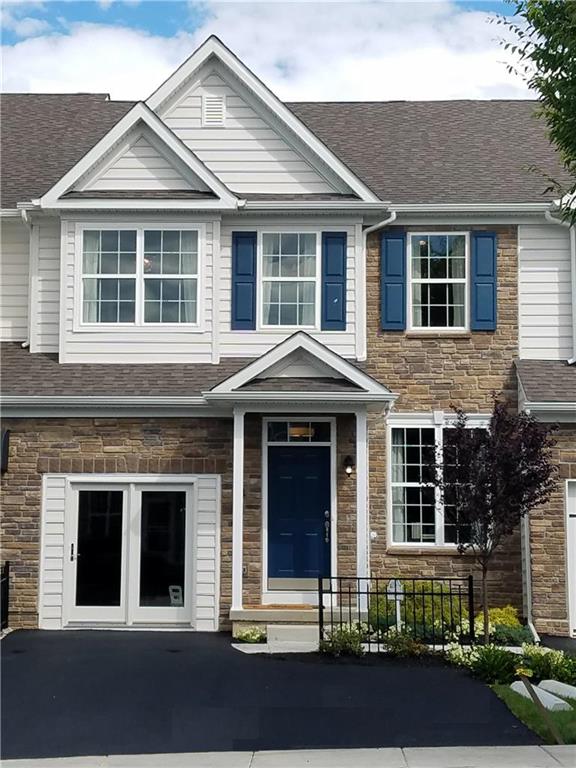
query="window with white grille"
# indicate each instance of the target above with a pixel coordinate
(213, 110)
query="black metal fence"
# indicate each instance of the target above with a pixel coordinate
(4, 594)
(434, 611)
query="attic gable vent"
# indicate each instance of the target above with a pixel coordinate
(213, 111)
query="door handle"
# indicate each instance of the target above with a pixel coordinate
(327, 527)
(72, 553)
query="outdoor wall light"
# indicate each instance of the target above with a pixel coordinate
(348, 465)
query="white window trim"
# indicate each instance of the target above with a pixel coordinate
(438, 329)
(271, 597)
(261, 326)
(138, 326)
(438, 420)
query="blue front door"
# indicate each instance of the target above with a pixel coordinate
(298, 510)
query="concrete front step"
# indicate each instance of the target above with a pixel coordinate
(291, 633)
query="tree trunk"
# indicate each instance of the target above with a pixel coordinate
(485, 603)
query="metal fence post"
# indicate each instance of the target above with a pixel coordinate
(471, 608)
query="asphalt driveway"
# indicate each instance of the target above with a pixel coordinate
(98, 693)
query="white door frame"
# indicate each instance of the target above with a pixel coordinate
(269, 597)
(91, 614)
(128, 613)
(571, 554)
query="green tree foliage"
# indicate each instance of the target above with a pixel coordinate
(545, 47)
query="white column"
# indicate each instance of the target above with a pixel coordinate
(237, 508)
(362, 557)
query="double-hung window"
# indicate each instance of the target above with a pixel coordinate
(109, 276)
(140, 276)
(438, 269)
(290, 270)
(419, 514)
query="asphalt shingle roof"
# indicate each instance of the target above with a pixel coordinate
(43, 135)
(41, 375)
(548, 381)
(406, 152)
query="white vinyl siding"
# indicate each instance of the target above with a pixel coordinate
(14, 268)
(545, 305)
(140, 165)
(256, 343)
(149, 342)
(249, 154)
(206, 553)
(45, 286)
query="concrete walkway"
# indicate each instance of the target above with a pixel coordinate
(411, 757)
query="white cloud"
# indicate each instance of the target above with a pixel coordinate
(13, 20)
(315, 51)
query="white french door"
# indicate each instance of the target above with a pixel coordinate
(129, 553)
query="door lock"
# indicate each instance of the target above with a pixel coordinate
(72, 558)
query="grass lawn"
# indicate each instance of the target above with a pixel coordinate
(526, 711)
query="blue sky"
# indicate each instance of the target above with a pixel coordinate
(160, 17)
(303, 50)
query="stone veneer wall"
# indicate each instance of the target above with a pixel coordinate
(158, 445)
(434, 372)
(548, 544)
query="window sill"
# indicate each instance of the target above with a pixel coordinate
(431, 549)
(439, 334)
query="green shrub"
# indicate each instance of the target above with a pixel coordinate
(344, 641)
(251, 635)
(428, 612)
(511, 635)
(403, 646)
(507, 616)
(548, 664)
(493, 665)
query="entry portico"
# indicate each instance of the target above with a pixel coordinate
(310, 407)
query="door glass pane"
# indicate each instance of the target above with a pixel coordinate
(99, 548)
(163, 535)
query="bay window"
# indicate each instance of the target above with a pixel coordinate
(438, 280)
(140, 276)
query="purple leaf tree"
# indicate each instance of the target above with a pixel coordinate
(490, 479)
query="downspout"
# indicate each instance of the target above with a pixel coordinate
(391, 218)
(528, 577)
(28, 225)
(559, 222)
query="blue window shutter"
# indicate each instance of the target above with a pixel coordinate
(483, 281)
(393, 280)
(243, 281)
(334, 281)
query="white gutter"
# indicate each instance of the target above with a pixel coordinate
(471, 207)
(101, 401)
(304, 397)
(561, 223)
(549, 406)
(314, 205)
(6, 213)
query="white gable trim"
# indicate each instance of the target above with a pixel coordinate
(140, 112)
(214, 47)
(300, 341)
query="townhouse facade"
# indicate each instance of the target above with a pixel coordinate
(234, 331)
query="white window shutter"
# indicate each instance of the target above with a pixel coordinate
(213, 110)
